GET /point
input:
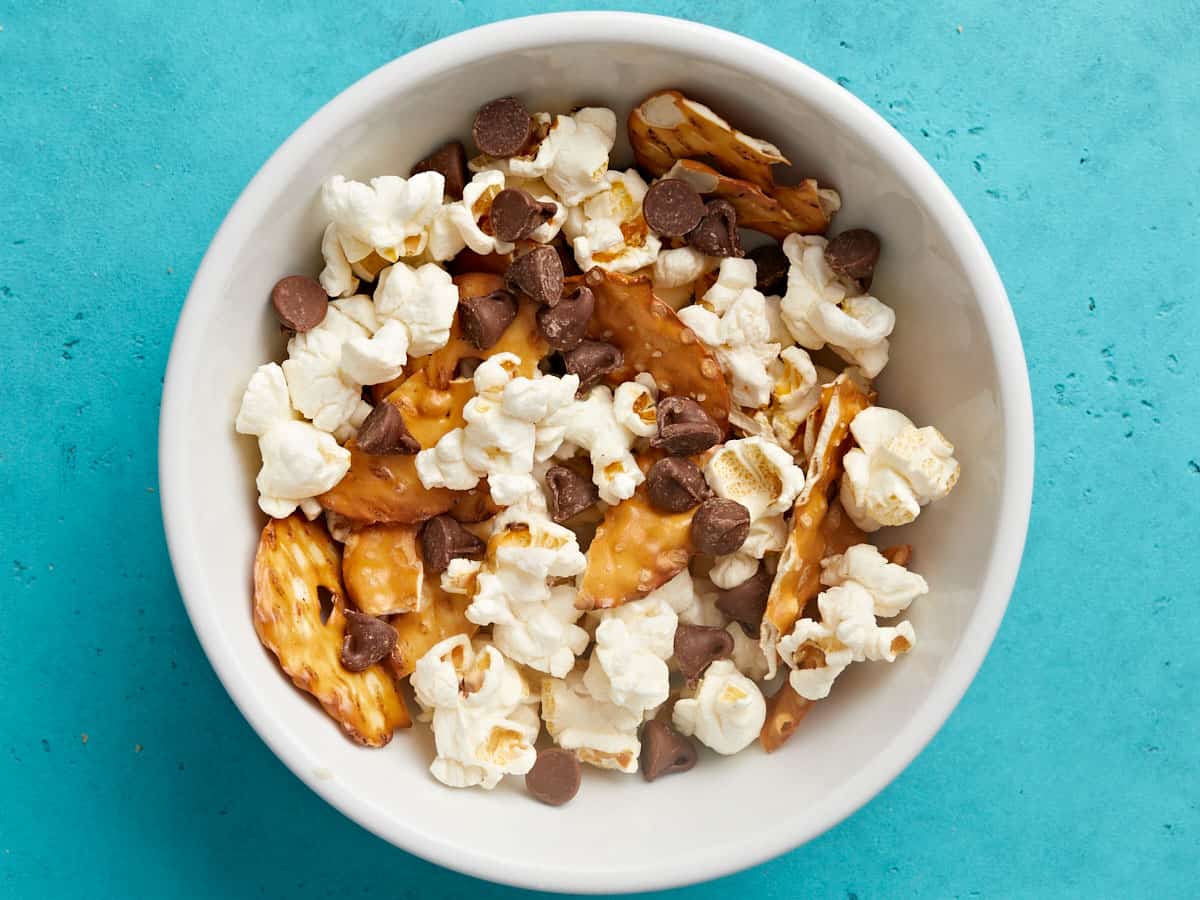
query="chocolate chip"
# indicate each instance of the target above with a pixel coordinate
(384, 431)
(684, 428)
(672, 207)
(720, 526)
(555, 776)
(484, 319)
(591, 361)
(443, 539)
(300, 302)
(771, 266)
(538, 274)
(853, 253)
(366, 642)
(565, 325)
(717, 233)
(569, 493)
(676, 485)
(451, 161)
(566, 255)
(665, 750)
(516, 214)
(696, 646)
(502, 127)
(747, 602)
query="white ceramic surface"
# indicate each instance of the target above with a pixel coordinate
(956, 362)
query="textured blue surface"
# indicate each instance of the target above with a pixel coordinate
(1068, 130)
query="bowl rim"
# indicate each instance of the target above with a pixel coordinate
(758, 60)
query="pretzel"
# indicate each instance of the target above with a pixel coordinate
(784, 712)
(521, 337)
(653, 339)
(900, 554)
(385, 488)
(786, 210)
(814, 527)
(296, 560)
(667, 127)
(441, 615)
(636, 549)
(382, 568)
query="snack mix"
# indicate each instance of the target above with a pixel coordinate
(551, 446)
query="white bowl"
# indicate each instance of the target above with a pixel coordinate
(956, 362)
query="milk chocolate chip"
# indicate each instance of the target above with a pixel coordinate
(771, 267)
(676, 485)
(720, 526)
(747, 602)
(300, 302)
(516, 214)
(591, 361)
(444, 539)
(853, 253)
(569, 493)
(564, 326)
(672, 207)
(366, 642)
(538, 274)
(717, 233)
(684, 428)
(484, 319)
(555, 776)
(502, 127)
(451, 161)
(384, 431)
(696, 646)
(665, 750)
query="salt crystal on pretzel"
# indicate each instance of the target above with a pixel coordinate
(296, 561)
(797, 580)
(382, 568)
(654, 340)
(385, 488)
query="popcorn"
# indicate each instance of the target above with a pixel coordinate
(762, 477)
(457, 225)
(629, 663)
(390, 216)
(503, 435)
(572, 158)
(896, 469)
(533, 623)
(608, 230)
(862, 585)
(819, 308)
(796, 393)
(727, 711)
(319, 388)
(484, 718)
(591, 424)
(298, 461)
(683, 265)
(635, 409)
(337, 278)
(747, 653)
(693, 600)
(601, 733)
(738, 331)
(460, 576)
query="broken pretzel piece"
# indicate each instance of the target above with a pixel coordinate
(296, 562)
(386, 488)
(636, 549)
(804, 208)
(382, 569)
(784, 712)
(798, 579)
(653, 339)
(441, 615)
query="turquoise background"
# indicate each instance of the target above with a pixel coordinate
(1069, 132)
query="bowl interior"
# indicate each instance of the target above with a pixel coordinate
(946, 369)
